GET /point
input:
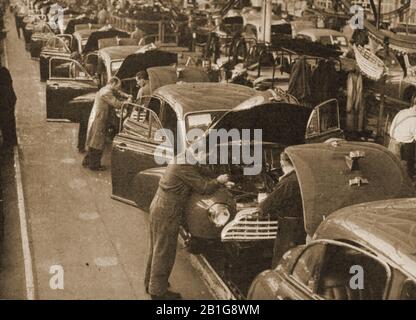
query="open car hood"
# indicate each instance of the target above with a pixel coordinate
(324, 177)
(141, 61)
(281, 122)
(162, 76)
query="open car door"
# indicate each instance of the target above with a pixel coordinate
(324, 123)
(67, 80)
(59, 47)
(134, 149)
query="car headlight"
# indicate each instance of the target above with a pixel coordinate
(219, 214)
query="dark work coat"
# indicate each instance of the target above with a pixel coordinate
(299, 82)
(285, 205)
(166, 212)
(324, 82)
(7, 108)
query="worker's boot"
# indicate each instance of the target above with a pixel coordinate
(169, 295)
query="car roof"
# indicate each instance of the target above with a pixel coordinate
(194, 97)
(118, 52)
(85, 33)
(320, 32)
(386, 227)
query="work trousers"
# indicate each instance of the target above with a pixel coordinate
(405, 152)
(93, 159)
(290, 233)
(165, 218)
(82, 134)
(8, 132)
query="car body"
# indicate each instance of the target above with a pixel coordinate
(400, 77)
(253, 25)
(41, 33)
(59, 46)
(325, 36)
(71, 96)
(111, 55)
(135, 172)
(82, 33)
(352, 196)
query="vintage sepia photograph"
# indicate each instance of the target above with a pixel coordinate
(207, 150)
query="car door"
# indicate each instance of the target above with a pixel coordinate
(134, 149)
(324, 123)
(55, 47)
(334, 270)
(67, 80)
(300, 283)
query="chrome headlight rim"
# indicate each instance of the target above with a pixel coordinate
(219, 210)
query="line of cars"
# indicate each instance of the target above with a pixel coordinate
(339, 180)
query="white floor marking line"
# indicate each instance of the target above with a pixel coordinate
(27, 256)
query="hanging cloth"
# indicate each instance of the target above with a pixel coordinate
(356, 114)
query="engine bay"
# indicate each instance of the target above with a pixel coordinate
(248, 189)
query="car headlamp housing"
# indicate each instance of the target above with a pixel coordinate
(219, 214)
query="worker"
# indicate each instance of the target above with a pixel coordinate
(403, 136)
(108, 97)
(142, 80)
(166, 213)
(7, 109)
(285, 204)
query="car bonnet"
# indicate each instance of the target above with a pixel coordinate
(326, 180)
(280, 122)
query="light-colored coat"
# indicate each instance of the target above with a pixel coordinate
(97, 123)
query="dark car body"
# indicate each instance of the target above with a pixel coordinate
(71, 98)
(348, 232)
(135, 172)
(58, 46)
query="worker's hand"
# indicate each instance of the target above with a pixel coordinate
(223, 179)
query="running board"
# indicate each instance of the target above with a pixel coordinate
(216, 286)
(58, 120)
(129, 202)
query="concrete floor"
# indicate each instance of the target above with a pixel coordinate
(101, 244)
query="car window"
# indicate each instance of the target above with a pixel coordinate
(408, 291)
(351, 274)
(307, 267)
(304, 36)
(328, 116)
(202, 120)
(142, 123)
(313, 125)
(66, 69)
(325, 40)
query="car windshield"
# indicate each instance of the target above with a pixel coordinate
(412, 59)
(339, 40)
(115, 65)
(325, 40)
(202, 120)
